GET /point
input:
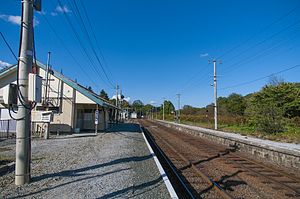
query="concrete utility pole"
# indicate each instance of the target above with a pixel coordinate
(23, 138)
(178, 112)
(47, 79)
(215, 95)
(120, 104)
(96, 119)
(152, 113)
(117, 93)
(164, 108)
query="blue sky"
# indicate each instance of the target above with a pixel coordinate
(155, 49)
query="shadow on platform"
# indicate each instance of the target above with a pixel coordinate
(120, 193)
(124, 127)
(81, 172)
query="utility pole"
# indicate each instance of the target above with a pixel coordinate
(178, 112)
(152, 113)
(120, 104)
(117, 93)
(47, 80)
(164, 108)
(96, 119)
(152, 109)
(215, 94)
(23, 138)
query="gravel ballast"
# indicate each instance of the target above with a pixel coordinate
(116, 164)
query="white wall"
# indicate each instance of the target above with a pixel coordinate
(4, 115)
(81, 99)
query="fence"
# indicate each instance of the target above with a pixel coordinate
(8, 128)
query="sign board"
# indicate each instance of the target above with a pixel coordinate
(42, 116)
(96, 116)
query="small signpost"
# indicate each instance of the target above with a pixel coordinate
(96, 119)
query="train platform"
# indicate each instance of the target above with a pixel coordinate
(280, 153)
(115, 164)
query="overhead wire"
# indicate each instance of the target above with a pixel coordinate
(7, 44)
(263, 41)
(68, 51)
(258, 54)
(81, 43)
(94, 35)
(10, 108)
(20, 96)
(253, 36)
(91, 43)
(259, 32)
(261, 78)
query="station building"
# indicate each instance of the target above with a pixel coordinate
(71, 105)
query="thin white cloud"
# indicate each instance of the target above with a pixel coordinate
(60, 10)
(152, 102)
(4, 64)
(54, 14)
(127, 99)
(63, 9)
(16, 20)
(113, 97)
(204, 55)
(36, 22)
(42, 12)
(11, 19)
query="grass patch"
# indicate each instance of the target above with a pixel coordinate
(292, 133)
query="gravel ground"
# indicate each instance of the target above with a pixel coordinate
(116, 164)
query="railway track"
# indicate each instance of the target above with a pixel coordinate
(214, 171)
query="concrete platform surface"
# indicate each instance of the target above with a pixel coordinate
(116, 164)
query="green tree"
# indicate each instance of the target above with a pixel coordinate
(103, 95)
(90, 88)
(147, 109)
(190, 110)
(125, 104)
(222, 103)
(169, 107)
(137, 105)
(235, 104)
(269, 108)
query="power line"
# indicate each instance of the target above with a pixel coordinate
(262, 30)
(260, 53)
(94, 35)
(91, 43)
(251, 58)
(250, 38)
(270, 37)
(258, 79)
(7, 44)
(68, 51)
(84, 30)
(81, 43)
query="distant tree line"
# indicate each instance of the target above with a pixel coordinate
(271, 110)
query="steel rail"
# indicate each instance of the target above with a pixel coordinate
(282, 174)
(209, 180)
(166, 159)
